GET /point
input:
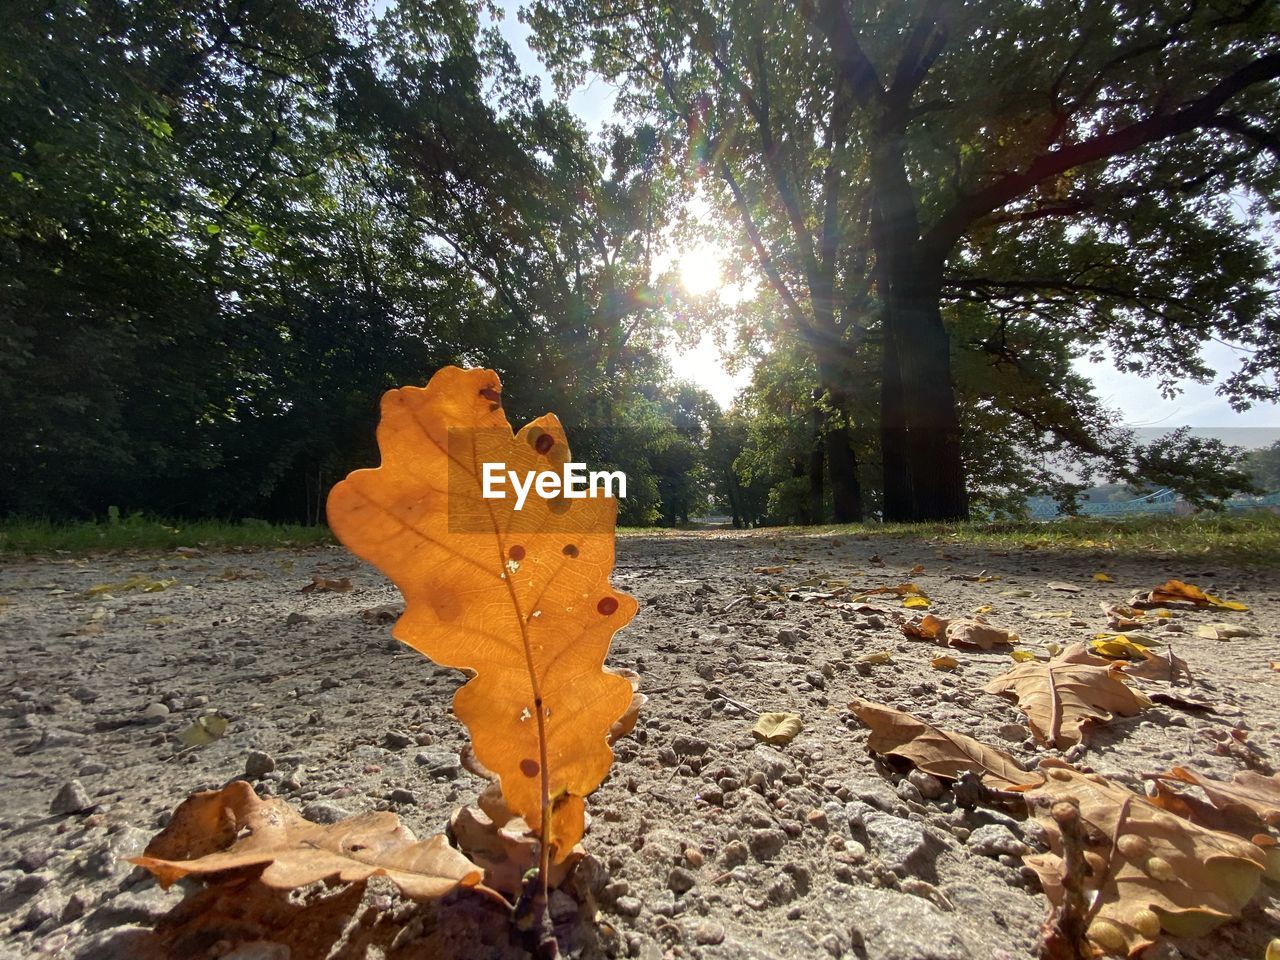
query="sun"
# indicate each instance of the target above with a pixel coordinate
(700, 270)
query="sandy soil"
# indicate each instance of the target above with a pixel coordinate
(705, 844)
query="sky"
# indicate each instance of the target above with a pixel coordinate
(1138, 400)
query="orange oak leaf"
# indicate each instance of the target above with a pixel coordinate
(520, 598)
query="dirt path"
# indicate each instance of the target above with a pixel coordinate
(714, 846)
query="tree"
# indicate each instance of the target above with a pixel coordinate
(962, 144)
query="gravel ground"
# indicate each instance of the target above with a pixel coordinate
(704, 843)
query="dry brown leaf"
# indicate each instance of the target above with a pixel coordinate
(321, 584)
(1147, 869)
(1121, 617)
(942, 753)
(521, 598)
(1250, 797)
(503, 844)
(944, 662)
(229, 829)
(627, 722)
(1059, 697)
(387, 613)
(973, 634)
(1168, 668)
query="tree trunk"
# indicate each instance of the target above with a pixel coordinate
(910, 283)
(842, 472)
(817, 460)
(897, 497)
(923, 349)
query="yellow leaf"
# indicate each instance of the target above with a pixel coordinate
(985, 608)
(1120, 648)
(1103, 577)
(1273, 950)
(879, 657)
(145, 584)
(203, 731)
(918, 568)
(944, 662)
(778, 729)
(1053, 649)
(916, 603)
(1022, 656)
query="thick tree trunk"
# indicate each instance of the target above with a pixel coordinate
(897, 497)
(910, 282)
(817, 460)
(842, 472)
(933, 428)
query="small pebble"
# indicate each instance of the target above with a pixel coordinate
(72, 798)
(401, 795)
(708, 933)
(155, 711)
(629, 906)
(258, 764)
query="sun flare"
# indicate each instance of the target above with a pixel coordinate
(700, 270)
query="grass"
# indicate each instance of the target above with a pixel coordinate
(42, 537)
(1243, 538)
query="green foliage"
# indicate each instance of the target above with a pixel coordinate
(139, 532)
(1263, 467)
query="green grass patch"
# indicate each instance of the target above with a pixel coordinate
(1251, 539)
(42, 537)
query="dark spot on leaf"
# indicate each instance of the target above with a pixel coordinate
(544, 443)
(492, 395)
(607, 605)
(558, 505)
(516, 553)
(570, 550)
(529, 767)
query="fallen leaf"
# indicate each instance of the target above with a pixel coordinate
(502, 844)
(387, 613)
(778, 729)
(1275, 664)
(973, 634)
(221, 830)
(1050, 614)
(1061, 696)
(520, 598)
(944, 662)
(1145, 869)
(878, 658)
(1102, 577)
(901, 590)
(203, 731)
(1175, 591)
(1062, 587)
(144, 584)
(916, 603)
(917, 569)
(1273, 950)
(1223, 631)
(943, 753)
(1022, 656)
(1250, 797)
(321, 584)
(1013, 592)
(627, 722)
(1119, 648)
(1121, 617)
(1167, 667)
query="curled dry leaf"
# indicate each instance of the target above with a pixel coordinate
(1250, 798)
(503, 844)
(627, 722)
(229, 829)
(1167, 668)
(944, 661)
(900, 590)
(974, 634)
(1223, 631)
(520, 598)
(943, 753)
(1176, 592)
(1147, 869)
(1061, 696)
(321, 584)
(1121, 617)
(777, 728)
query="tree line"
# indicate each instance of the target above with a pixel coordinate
(226, 228)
